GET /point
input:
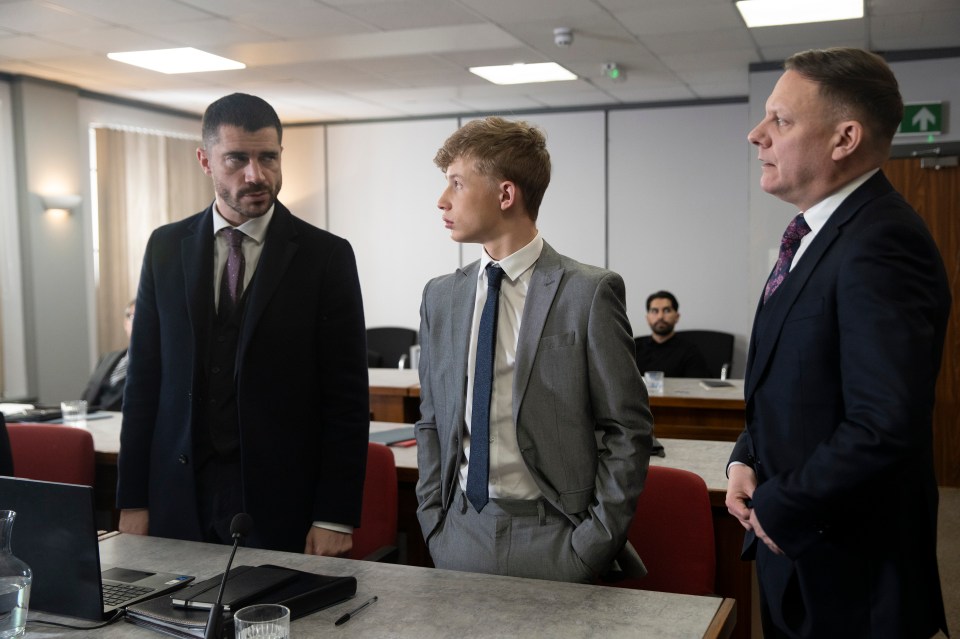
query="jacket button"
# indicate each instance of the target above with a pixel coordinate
(182, 459)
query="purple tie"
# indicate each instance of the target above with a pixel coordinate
(788, 248)
(231, 282)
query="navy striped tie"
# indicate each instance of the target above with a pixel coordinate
(478, 472)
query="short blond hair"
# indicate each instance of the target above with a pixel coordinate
(503, 150)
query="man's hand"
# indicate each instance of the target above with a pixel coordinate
(741, 483)
(328, 543)
(135, 521)
(740, 486)
(761, 535)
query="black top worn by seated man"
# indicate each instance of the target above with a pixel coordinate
(664, 350)
(247, 387)
(676, 357)
(105, 389)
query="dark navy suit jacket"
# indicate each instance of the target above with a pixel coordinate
(301, 379)
(839, 392)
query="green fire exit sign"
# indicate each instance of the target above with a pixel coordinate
(922, 118)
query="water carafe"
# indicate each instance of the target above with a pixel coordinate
(15, 580)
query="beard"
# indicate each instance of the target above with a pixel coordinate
(251, 210)
(662, 328)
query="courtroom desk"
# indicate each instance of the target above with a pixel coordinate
(708, 459)
(428, 603)
(686, 410)
(394, 395)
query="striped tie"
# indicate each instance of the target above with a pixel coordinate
(119, 371)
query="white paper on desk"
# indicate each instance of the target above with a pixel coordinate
(13, 409)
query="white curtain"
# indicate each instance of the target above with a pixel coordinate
(144, 180)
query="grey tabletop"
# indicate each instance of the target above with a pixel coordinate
(423, 602)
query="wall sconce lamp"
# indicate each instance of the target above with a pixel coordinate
(66, 202)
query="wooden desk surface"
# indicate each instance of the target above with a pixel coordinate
(429, 603)
(676, 390)
(684, 410)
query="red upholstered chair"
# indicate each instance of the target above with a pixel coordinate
(376, 538)
(52, 452)
(673, 534)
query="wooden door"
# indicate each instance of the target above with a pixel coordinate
(935, 193)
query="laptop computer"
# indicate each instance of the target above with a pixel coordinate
(55, 534)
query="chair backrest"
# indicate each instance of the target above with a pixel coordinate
(6, 458)
(52, 452)
(673, 534)
(391, 343)
(377, 535)
(716, 347)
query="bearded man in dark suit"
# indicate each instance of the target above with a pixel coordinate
(247, 386)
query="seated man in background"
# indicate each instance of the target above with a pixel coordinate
(664, 350)
(105, 388)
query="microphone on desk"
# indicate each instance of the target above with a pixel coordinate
(240, 526)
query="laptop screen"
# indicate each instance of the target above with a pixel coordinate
(55, 534)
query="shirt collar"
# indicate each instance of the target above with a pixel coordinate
(818, 214)
(517, 263)
(254, 228)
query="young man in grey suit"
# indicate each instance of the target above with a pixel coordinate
(530, 464)
(833, 476)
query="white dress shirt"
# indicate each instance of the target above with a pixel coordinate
(818, 214)
(509, 476)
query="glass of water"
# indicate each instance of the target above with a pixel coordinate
(262, 621)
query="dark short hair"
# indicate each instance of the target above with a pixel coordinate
(667, 295)
(242, 110)
(858, 83)
(503, 150)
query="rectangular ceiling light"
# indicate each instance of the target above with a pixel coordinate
(524, 73)
(184, 60)
(768, 13)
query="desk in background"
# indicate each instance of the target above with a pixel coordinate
(426, 603)
(394, 395)
(685, 410)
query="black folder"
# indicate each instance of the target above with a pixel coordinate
(305, 593)
(244, 585)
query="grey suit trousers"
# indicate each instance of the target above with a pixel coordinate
(521, 538)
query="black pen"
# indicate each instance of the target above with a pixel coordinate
(353, 613)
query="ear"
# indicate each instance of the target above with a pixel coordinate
(204, 160)
(507, 194)
(848, 137)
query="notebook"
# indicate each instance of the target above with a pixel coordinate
(306, 593)
(55, 534)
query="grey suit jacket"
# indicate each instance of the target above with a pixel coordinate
(579, 405)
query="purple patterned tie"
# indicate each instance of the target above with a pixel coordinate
(788, 247)
(231, 282)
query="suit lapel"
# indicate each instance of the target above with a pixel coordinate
(278, 251)
(544, 283)
(196, 251)
(464, 298)
(768, 321)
